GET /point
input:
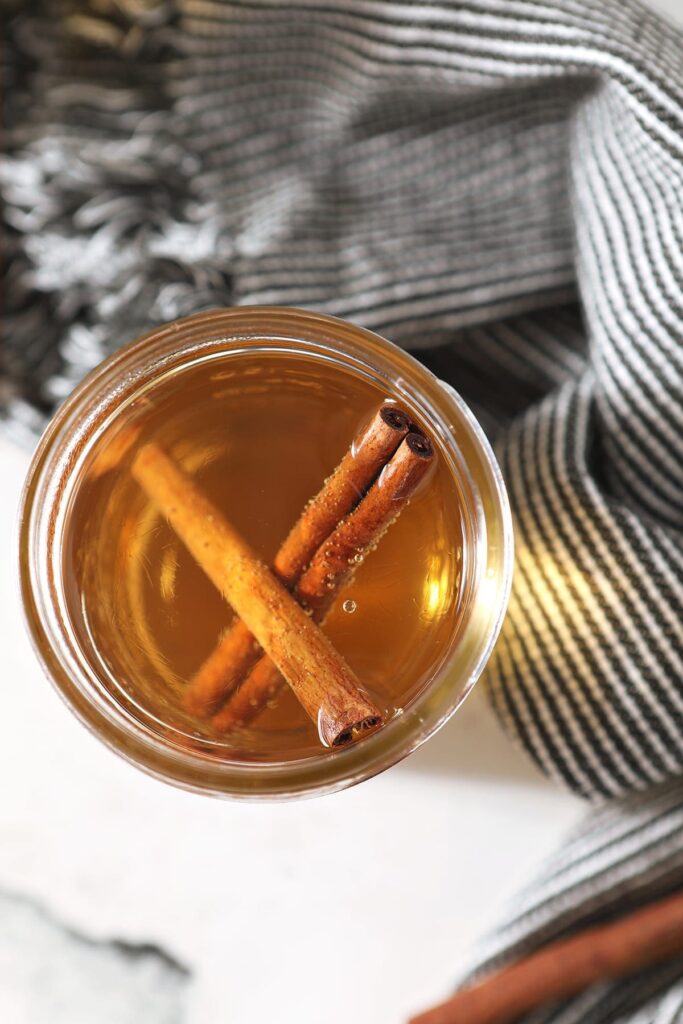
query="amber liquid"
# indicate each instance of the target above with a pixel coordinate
(259, 431)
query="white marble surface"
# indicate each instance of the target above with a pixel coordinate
(369, 899)
(52, 973)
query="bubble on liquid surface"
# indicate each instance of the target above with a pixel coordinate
(349, 606)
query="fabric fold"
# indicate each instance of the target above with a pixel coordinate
(496, 185)
(626, 853)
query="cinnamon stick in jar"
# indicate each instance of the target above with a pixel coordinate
(340, 555)
(237, 651)
(333, 566)
(324, 683)
(342, 490)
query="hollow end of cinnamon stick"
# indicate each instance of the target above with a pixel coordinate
(395, 418)
(338, 727)
(356, 730)
(419, 445)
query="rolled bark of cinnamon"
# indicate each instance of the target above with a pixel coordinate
(334, 564)
(564, 968)
(340, 555)
(237, 652)
(325, 685)
(342, 490)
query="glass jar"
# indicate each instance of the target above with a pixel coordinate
(54, 479)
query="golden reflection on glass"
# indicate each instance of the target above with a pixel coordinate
(437, 588)
(489, 590)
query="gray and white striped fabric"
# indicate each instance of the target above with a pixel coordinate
(495, 184)
(627, 852)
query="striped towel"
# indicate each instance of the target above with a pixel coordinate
(628, 852)
(496, 184)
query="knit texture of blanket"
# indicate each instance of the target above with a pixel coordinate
(495, 184)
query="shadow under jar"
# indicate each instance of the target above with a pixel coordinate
(253, 409)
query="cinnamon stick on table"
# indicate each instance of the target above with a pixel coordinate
(323, 682)
(237, 651)
(627, 945)
(334, 563)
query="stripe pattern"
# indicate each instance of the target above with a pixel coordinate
(495, 184)
(628, 852)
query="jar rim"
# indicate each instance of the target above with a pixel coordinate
(90, 408)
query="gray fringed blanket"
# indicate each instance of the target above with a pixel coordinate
(497, 184)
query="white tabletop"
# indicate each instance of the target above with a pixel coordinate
(369, 899)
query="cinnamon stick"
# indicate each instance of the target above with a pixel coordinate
(332, 566)
(323, 682)
(339, 556)
(237, 652)
(347, 484)
(562, 969)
